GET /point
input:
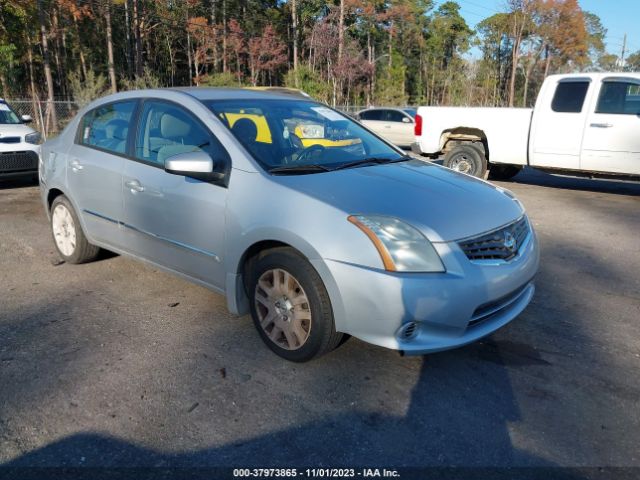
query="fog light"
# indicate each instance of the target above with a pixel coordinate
(408, 331)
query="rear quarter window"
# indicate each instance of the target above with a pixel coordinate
(569, 97)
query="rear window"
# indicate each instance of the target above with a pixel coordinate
(569, 97)
(107, 127)
(619, 98)
(371, 115)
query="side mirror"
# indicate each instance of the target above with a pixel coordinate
(406, 120)
(197, 165)
(26, 119)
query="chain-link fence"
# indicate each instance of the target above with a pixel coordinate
(48, 117)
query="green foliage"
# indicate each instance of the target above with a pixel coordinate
(227, 79)
(7, 56)
(633, 62)
(88, 89)
(310, 83)
(390, 83)
(147, 80)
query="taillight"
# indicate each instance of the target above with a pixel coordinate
(417, 128)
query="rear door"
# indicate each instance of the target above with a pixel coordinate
(556, 135)
(400, 127)
(612, 135)
(94, 169)
(172, 220)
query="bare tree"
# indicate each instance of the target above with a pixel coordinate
(110, 64)
(51, 111)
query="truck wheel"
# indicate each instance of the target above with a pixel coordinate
(468, 159)
(503, 172)
(70, 241)
(290, 306)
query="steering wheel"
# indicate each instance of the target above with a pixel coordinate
(308, 151)
(295, 141)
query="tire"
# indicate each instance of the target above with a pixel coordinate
(290, 306)
(68, 237)
(466, 158)
(503, 172)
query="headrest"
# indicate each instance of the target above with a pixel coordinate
(116, 129)
(172, 126)
(245, 129)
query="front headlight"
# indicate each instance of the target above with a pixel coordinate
(401, 247)
(35, 138)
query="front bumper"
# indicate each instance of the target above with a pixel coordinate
(419, 313)
(17, 159)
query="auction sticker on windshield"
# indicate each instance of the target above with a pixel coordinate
(328, 113)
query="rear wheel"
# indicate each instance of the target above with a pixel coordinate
(503, 172)
(290, 306)
(70, 241)
(466, 158)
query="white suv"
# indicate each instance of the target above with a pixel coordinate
(19, 144)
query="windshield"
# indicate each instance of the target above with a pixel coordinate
(411, 111)
(8, 116)
(296, 135)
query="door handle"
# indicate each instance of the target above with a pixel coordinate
(134, 186)
(76, 166)
(601, 125)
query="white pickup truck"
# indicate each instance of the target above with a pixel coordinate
(582, 124)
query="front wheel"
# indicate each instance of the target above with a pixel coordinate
(468, 159)
(70, 241)
(290, 306)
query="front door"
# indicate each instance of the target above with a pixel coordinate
(612, 134)
(172, 220)
(94, 170)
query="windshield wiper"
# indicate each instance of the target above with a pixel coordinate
(372, 161)
(299, 169)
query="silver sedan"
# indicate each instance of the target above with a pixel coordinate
(297, 214)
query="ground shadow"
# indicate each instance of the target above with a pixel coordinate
(530, 176)
(19, 182)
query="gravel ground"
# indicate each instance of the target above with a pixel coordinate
(114, 363)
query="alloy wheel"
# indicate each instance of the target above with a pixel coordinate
(64, 230)
(283, 309)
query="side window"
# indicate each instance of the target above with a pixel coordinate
(166, 130)
(394, 116)
(371, 115)
(569, 97)
(107, 127)
(620, 98)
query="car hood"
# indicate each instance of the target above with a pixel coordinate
(443, 204)
(15, 130)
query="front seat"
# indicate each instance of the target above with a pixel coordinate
(176, 132)
(246, 131)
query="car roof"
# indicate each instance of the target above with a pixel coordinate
(228, 93)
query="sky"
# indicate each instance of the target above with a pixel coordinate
(618, 17)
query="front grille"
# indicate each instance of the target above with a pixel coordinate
(9, 139)
(501, 244)
(18, 161)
